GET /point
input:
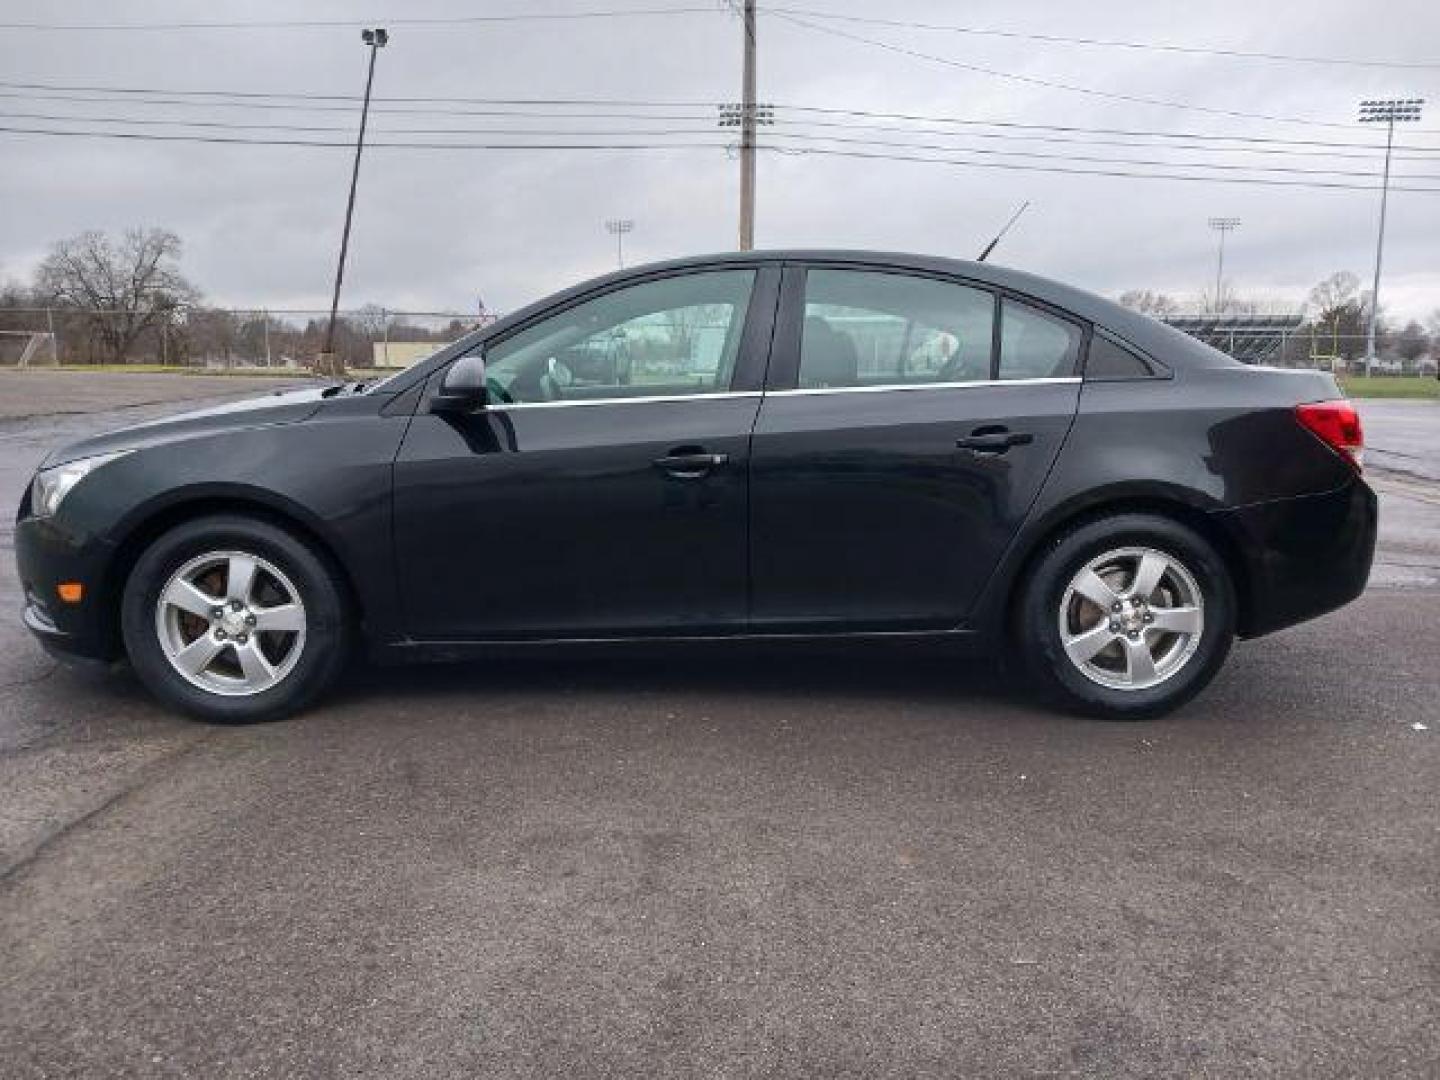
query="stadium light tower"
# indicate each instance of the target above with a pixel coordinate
(329, 363)
(618, 227)
(1387, 111)
(1222, 225)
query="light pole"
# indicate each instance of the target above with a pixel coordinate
(618, 227)
(328, 363)
(1387, 111)
(1222, 225)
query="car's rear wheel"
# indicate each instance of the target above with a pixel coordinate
(1127, 616)
(234, 619)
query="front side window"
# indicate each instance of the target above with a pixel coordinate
(1035, 345)
(673, 336)
(867, 328)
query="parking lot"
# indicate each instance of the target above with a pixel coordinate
(730, 861)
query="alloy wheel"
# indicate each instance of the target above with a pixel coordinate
(231, 623)
(1132, 618)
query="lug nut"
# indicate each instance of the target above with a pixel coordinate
(235, 605)
(1116, 606)
(1149, 618)
(1134, 635)
(249, 620)
(217, 613)
(219, 634)
(240, 639)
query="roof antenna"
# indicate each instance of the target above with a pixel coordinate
(1000, 235)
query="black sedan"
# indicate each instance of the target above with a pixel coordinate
(784, 445)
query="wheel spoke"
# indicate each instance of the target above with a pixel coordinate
(1139, 662)
(188, 597)
(1148, 574)
(239, 577)
(1084, 646)
(1092, 586)
(257, 670)
(1177, 620)
(282, 618)
(196, 656)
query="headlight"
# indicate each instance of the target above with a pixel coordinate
(52, 485)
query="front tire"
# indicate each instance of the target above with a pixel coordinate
(234, 620)
(1126, 617)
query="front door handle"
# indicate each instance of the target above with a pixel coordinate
(993, 440)
(690, 465)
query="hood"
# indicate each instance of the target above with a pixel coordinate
(280, 407)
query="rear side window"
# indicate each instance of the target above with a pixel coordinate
(866, 328)
(1036, 345)
(1107, 360)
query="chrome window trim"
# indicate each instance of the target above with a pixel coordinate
(726, 395)
(887, 387)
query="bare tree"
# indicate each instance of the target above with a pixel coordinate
(1149, 302)
(132, 285)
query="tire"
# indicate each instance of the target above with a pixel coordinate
(1061, 618)
(275, 638)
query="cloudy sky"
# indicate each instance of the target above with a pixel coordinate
(435, 228)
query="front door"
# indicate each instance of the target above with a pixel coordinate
(603, 490)
(910, 423)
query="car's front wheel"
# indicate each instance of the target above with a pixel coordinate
(233, 619)
(1127, 616)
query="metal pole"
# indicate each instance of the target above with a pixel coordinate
(328, 362)
(747, 134)
(620, 248)
(54, 341)
(1379, 249)
(268, 361)
(1220, 269)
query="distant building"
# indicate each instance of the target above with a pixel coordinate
(401, 354)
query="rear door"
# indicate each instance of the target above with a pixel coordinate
(907, 427)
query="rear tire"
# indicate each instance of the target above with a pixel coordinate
(234, 620)
(1126, 617)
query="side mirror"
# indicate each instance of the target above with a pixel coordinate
(463, 388)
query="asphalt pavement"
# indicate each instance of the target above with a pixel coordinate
(730, 862)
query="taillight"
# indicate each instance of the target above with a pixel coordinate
(1337, 425)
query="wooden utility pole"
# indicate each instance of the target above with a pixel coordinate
(747, 134)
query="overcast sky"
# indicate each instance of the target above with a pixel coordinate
(437, 228)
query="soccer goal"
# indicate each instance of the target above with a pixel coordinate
(27, 348)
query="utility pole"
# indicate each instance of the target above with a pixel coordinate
(327, 363)
(1222, 225)
(1386, 111)
(618, 227)
(747, 133)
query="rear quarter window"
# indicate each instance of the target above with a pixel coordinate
(1108, 360)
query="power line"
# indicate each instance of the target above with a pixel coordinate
(1093, 172)
(1222, 166)
(810, 136)
(416, 22)
(1132, 99)
(349, 144)
(1109, 43)
(520, 107)
(667, 11)
(791, 150)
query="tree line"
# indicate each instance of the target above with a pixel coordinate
(1333, 324)
(123, 299)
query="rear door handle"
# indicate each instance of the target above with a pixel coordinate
(688, 465)
(992, 441)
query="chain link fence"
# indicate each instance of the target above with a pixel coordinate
(208, 339)
(375, 338)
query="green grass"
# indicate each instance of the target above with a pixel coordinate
(1391, 386)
